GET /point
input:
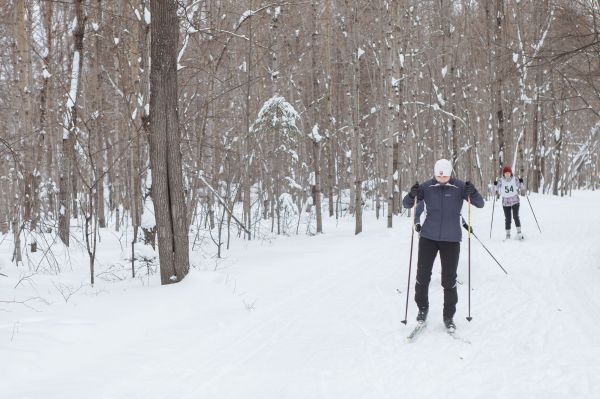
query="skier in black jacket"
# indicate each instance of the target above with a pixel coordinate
(443, 196)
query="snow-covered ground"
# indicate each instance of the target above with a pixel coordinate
(317, 317)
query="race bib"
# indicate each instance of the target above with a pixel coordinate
(509, 188)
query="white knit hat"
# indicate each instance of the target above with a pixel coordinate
(443, 167)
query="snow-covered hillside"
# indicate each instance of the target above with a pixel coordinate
(318, 317)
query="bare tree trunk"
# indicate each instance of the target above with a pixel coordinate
(91, 229)
(98, 116)
(522, 142)
(396, 177)
(316, 113)
(16, 220)
(492, 83)
(67, 163)
(330, 127)
(246, 153)
(401, 155)
(535, 146)
(542, 155)
(498, 81)
(23, 69)
(388, 110)
(4, 207)
(44, 145)
(356, 123)
(167, 180)
(557, 155)
(448, 84)
(144, 102)
(331, 175)
(453, 110)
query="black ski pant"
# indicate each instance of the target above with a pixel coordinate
(515, 215)
(449, 253)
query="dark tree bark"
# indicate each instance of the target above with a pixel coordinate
(165, 153)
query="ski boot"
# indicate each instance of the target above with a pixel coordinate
(449, 324)
(519, 234)
(422, 316)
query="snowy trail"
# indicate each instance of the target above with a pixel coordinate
(320, 318)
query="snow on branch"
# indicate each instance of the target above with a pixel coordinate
(436, 107)
(585, 151)
(314, 134)
(247, 14)
(276, 114)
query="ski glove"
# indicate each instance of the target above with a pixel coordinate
(469, 188)
(414, 191)
(495, 182)
(520, 180)
(466, 226)
(418, 228)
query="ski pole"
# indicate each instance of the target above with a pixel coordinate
(493, 207)
(469, 318)
(484, 247)
(536, 221)
(412, 237)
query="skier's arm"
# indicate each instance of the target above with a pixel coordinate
(520, 184)
(495, 187)
(476, 198)
(409, 200)
(419, 211)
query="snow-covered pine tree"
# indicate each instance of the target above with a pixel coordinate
(278, 137)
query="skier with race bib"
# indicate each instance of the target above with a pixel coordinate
(509, 187)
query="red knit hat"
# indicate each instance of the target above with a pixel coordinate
(508, 169)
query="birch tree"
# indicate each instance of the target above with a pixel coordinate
(67, 162)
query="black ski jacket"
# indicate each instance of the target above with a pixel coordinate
(444, 204)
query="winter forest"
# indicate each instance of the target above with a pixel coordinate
(142, 139)
(279, 108)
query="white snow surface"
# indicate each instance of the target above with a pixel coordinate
(318, 317)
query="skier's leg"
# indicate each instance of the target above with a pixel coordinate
(427, 253)
(515, 210)
(449, 254)
(507, 220)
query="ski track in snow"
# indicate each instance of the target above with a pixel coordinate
(319, 317)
